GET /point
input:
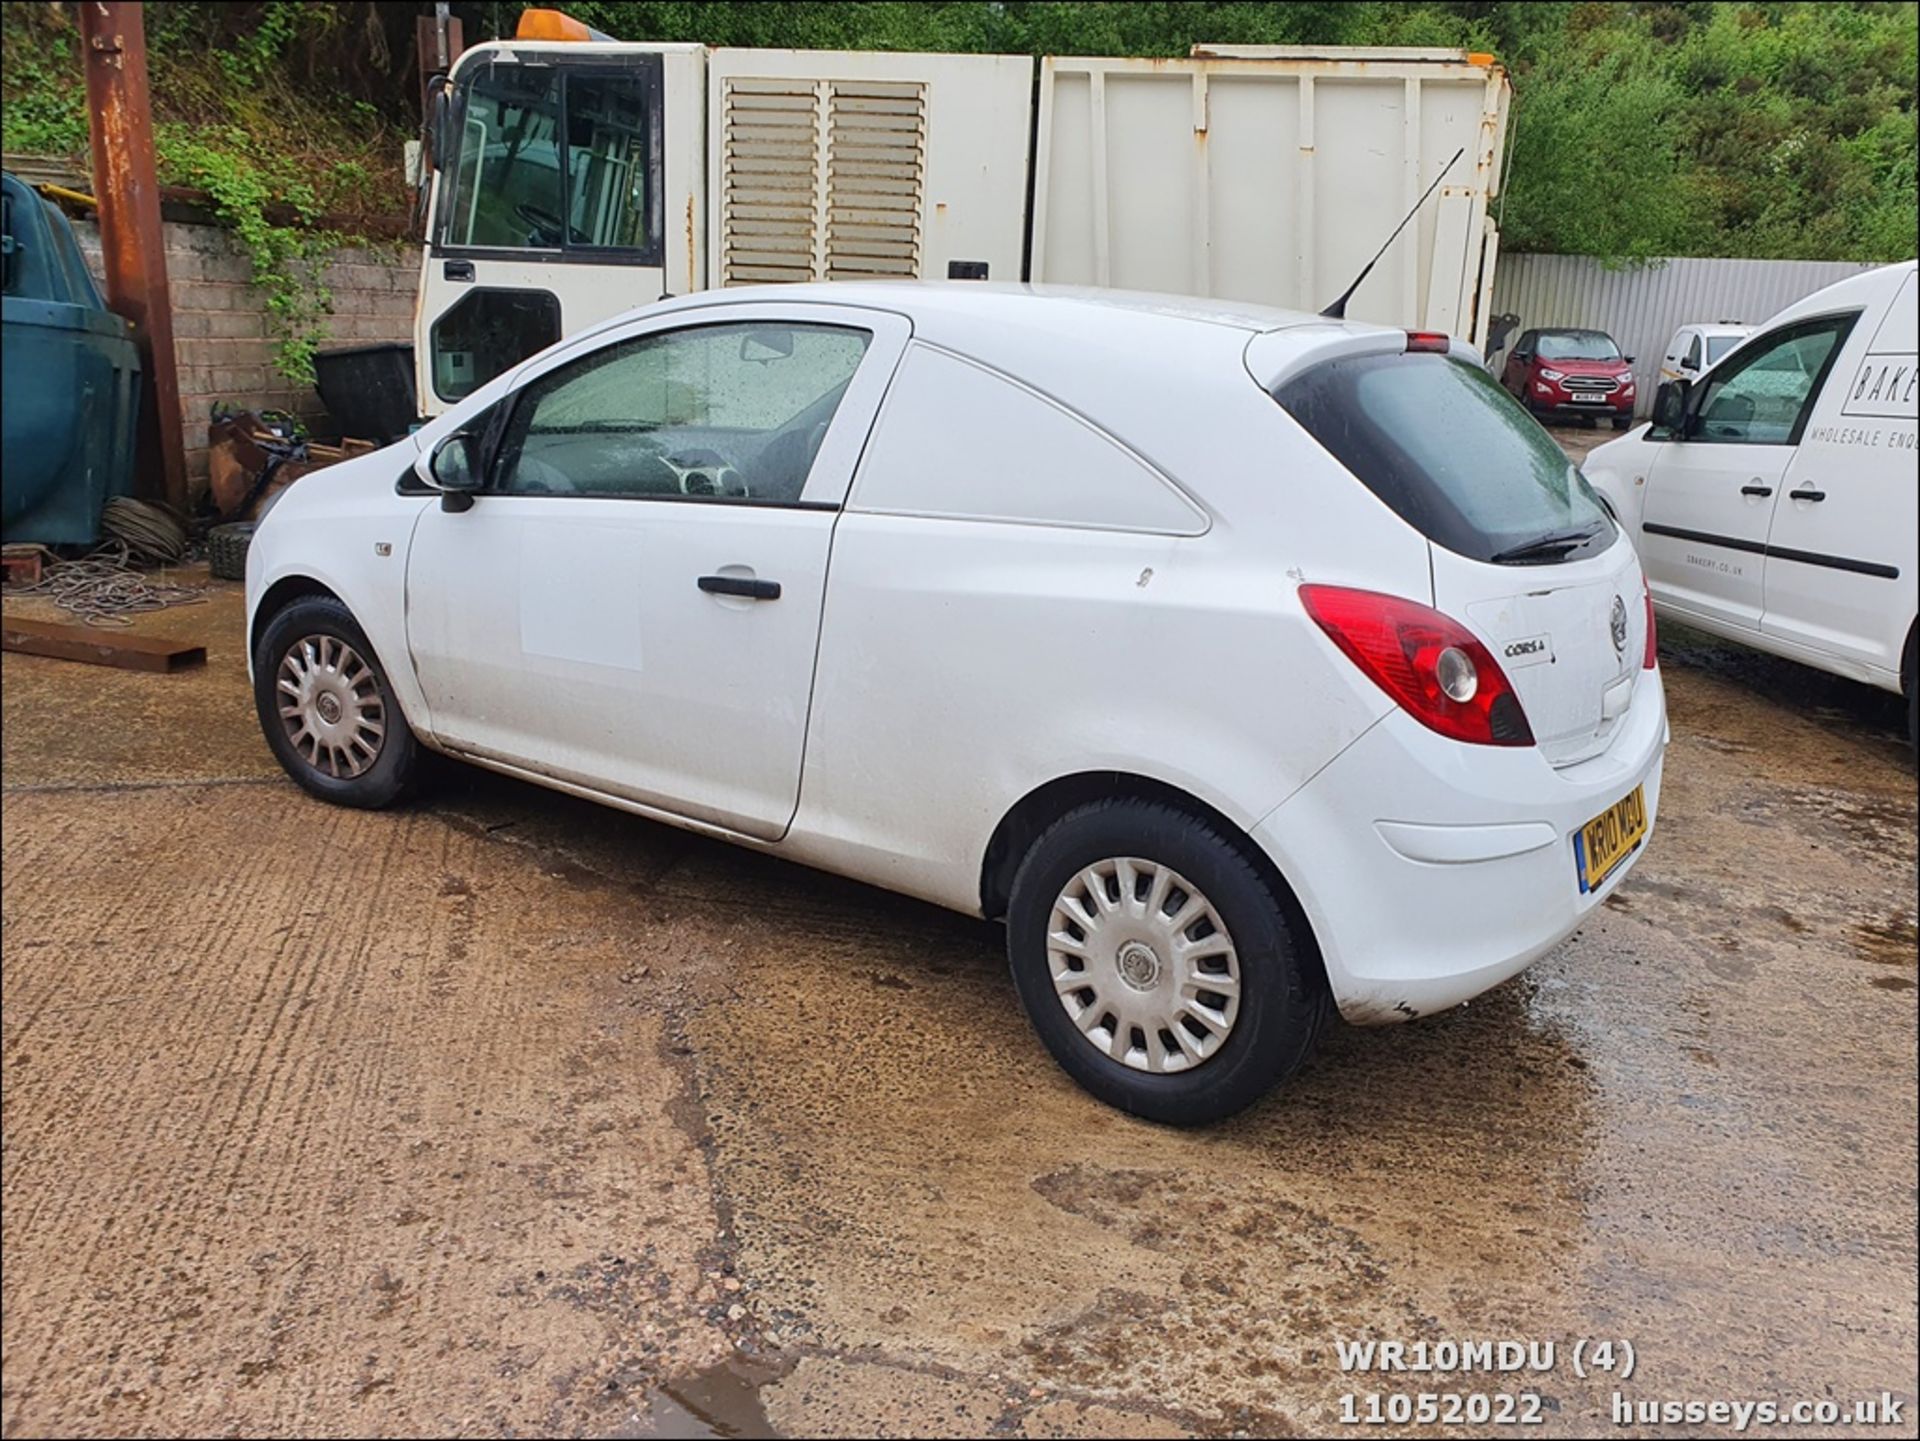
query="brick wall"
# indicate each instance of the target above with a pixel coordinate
(221, 340)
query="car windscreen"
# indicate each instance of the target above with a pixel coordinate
(1576, 345)
(1453, 454)
(1719, 345)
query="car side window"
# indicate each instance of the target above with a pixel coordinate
(959, 440)
(1763, 395)
(1692, 360)
(735, 412)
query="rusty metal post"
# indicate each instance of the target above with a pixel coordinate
(441, 38)
(114, 49)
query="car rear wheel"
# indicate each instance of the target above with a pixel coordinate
(1158, 965)
(1910, 682)
(327, 710)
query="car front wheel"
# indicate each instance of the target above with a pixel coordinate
(1158, 965)
(326, 708)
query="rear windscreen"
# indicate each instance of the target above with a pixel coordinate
(1453, 454)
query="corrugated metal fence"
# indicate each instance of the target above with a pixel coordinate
(1642, 306)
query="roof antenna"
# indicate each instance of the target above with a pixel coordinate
(1338, 310)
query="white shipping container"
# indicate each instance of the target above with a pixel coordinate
(1272, 174)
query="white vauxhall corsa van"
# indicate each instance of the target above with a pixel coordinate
(1773, 499)
(1250, 665)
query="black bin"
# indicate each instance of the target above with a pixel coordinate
(368, 389)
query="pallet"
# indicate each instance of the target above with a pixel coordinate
(97, 647)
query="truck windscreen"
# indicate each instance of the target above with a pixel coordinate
(553, 157)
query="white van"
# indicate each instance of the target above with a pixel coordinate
(1695, 348)
(1773, 499)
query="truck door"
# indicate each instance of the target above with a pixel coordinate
(549, 210)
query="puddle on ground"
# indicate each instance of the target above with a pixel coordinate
(721, 1401)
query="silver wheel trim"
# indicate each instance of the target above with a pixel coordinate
(330, 705)
(1143, 965)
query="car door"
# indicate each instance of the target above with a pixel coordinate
(1514, 375)
(632, 604)
(1843, 530)
(1711, 491)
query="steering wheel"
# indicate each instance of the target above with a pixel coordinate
(546, 225)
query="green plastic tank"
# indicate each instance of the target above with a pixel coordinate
(72, 382)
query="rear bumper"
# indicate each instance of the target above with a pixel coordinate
(1432, 871)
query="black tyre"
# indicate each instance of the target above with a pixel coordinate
(227, 550)
(1184, 991)
(1910, 682)
(327, 710)
(1623, 422)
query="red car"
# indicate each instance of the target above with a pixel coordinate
(1570, 372)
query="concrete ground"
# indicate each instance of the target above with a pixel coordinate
(505, 1114)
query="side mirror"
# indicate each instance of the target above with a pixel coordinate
(1670, 406)
(1525, 357)
(439, 120)
(1686, 364)
(453, 468)
(1629, 360)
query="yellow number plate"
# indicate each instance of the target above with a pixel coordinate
(1609, 838)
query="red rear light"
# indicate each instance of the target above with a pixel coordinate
(1426, 340)
(1652, 657)
(1434, 667)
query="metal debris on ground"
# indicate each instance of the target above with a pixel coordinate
(151, 533)
(104, 588)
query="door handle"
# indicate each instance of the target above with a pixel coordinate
(1815, 495)
(741, 586)
(1760, 490)
(457, 269)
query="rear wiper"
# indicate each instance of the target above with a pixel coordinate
(1547, 547)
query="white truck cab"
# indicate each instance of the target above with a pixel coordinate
(1774, 499)
(576, 181)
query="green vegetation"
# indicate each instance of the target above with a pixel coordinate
(1770, 130)
(264, 107)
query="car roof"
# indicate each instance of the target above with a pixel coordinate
(1063, 306)
(1055, 336)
